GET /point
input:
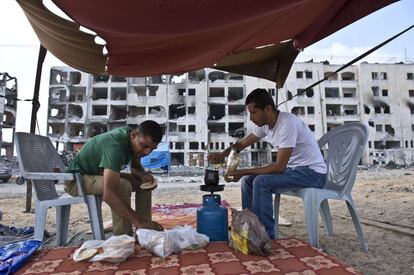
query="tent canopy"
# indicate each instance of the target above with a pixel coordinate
(154, 37)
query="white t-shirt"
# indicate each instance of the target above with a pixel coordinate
(292, 132)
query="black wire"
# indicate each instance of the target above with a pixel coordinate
(349, 63)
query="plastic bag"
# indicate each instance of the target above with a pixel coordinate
(115, 250)
(13, 256)
(164, 243)
(248, 234)
(232, 163)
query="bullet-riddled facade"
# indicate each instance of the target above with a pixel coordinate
(204, 110)
(8, 108)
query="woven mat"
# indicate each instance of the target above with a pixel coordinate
(289, 256)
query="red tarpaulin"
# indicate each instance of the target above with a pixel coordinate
(258, 38)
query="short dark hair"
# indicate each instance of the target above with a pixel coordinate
(261, 98)
(152, 129)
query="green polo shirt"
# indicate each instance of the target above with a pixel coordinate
(110, 150)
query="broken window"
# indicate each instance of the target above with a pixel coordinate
(333, 110)
(197, 76)
(410, 76)
(96, 129)
(350, 110)
(308, 75)
(235, 93)
(216, 75)
(375, 91)
(311, 110)
(371, 123)
(367, 110)
(211, 145)
(301, 92)
(100, 78)
(75, 130)
(312, 127)
(77, 94)
(193, 145)
(10, 101)
(152, 90)
(118, 93)
(387, 109)
(412, 143)
(236, 129)
(176, 111)
(217, 146)
(191, 128)
(58, 77)
(236, 110)
(389, 129)
(411, 93)
(216, 111)
(289, 95)
(369, 146)
(99, 93)
(271, 92)
(412, 110)
(181, 92)
(377, 110)
(75, 111)
(118, 79)
(56, 129)
(203, 146)
(179, 145)
(134, 111)
(157, 111)
(384, 92)
(348, 76)
(57, 112)
(191, 92)
(384, 75)
(298, 110)
(217, 92)
(391, 144)
(58, 95)
(118, 112)
(299, 74)
(332, 92)
(217, 127)
(332, 77)
(191, 110)
(378, 128)
(349, 92)
(98, 110)
(233, 76)
(177, 159)
(140, 90)
(181, 128)
(374, 75)
(406, 144)
(159, 79)
(254, 158)
(172, 127)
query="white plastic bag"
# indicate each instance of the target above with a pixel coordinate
(164, 243)
(115, 250)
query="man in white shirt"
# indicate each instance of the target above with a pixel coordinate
(299, 162)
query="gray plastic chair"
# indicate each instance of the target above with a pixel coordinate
(345, 147)
(37, 159)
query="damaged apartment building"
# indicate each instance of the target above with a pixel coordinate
(203, 111)
(8, 107)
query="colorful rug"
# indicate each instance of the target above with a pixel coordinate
(171, 215)
(289, 256)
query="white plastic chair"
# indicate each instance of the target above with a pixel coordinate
(345, 147)
(37, 159)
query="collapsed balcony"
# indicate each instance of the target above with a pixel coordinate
(197, 76)
(176, 111)
(118, 112)
(152, 90)
(118, 93)
(159, 79)
(235, 93)
(157, 111)
(75, 111)
(216, 111)
(236, 129)
(99, 93)
(216, 75)
(234, 76)
(58, 95)
(56, 129)
(96, 129)
(140, 90)
(76, 130)
(134, 111)
(389, 129)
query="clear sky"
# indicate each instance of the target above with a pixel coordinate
(19, 49)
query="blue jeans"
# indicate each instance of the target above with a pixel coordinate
(257, 191)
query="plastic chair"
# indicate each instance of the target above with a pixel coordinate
(37, 161)
(345, 147)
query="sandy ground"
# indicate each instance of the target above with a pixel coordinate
(384, 195)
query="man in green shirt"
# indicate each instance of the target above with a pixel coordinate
(100, 161)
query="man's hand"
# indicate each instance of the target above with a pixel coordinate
(234, 176)
(215, 158)
(151, 225)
